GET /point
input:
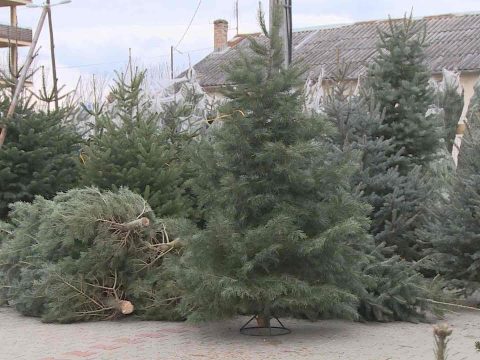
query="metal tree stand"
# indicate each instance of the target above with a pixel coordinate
(264, 331)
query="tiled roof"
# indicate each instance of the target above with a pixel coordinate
(453, 43)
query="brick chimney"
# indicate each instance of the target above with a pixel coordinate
(220, 34)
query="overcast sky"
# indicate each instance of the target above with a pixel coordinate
(93, 36)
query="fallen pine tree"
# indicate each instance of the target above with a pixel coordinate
(90, 255)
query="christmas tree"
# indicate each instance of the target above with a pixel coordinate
(399, 80)
(130, 148)
(39, 157)
(395, 288)
(283, 228)
(455, 225)
(90, 255)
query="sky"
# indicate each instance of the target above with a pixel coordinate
(94, 36)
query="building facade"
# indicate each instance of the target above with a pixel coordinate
(12, 37)
(453, 43)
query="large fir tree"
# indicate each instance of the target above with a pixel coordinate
(399, 80)
(455, 223)
(130, 147)
(39, 157)
(398, 200)
(397, 289)
(283, 228)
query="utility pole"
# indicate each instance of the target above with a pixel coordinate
(285, 9)
(52, 52)
(237, 16)
(26, 67)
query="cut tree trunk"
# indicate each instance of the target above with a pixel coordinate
(263, 321)
(175, 244)
(122, 306)
(135, 224)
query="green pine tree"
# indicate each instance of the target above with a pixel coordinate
(40, 157)
(455, 223)
(395, 289)
(131, 148)
(451, 101)
(90, 255)
(397, 200)
(398, 78)
(283, 229)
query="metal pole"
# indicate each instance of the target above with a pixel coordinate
(52, 51)
(23, 74)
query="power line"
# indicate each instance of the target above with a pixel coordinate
(184, 52)
(190, 24)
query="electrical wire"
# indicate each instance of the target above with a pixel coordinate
(184, 52)
(189, 25)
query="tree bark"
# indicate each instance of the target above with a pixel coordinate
(135, 224)
(175, 244)
(263, 321)
(122, 306)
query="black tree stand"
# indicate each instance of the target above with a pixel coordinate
(264, 330)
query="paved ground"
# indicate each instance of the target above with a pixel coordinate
(26, 338)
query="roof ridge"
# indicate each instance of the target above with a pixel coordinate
(426, 17)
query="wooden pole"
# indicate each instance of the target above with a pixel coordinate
(13, 47)
(23, 75)
(52, 51)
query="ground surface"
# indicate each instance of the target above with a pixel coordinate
(26, 338)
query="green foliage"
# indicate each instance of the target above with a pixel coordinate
(130, 148)
(79, 257)
(40, 157)
(451, 101)
(395, 288)
(398, 79)
(473, 115)
(283, 225)
(397, 200)
(455, 222)
(397, 291)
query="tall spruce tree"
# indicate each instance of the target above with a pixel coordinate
(284, 230)
(397, 289)
(130, 148)
(399, 80)
(455, 223)
(40, 157)
(398, 200)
